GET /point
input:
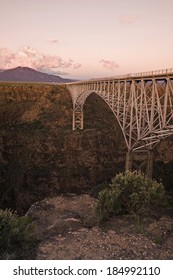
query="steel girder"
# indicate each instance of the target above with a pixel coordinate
(141, 103)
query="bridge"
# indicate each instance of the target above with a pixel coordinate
(142, 103)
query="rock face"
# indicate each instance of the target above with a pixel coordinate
(41, 156)
(68, 229)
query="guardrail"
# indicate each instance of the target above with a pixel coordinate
(154, 73)
(163, 72)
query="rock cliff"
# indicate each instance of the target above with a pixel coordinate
(41, 156)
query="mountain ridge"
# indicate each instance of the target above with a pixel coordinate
(27, 74)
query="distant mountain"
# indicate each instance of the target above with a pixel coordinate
(26, 74)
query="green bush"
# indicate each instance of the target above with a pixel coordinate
(98, 188)
(15, 234)
(129, 192)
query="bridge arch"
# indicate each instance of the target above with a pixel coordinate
(81, 102)
(142, 104)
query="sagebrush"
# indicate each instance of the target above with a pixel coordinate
(129, 192)
(16, 234)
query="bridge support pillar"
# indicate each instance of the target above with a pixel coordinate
(149, 168)
(77, 120)
(129, 161)
(140, 160)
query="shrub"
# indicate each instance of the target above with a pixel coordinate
(98, 188)
(129, 192)
(15, 234)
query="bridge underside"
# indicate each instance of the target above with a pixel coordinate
(143, 107)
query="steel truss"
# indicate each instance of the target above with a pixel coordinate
(142, 104)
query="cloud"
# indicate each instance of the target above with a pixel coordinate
(76, 65)
(28, 52)
(6, 56)
(52, 72)
(53, 41)
(128, 19)
(30, 57)
(109, 64)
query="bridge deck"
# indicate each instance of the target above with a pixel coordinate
(142, 104)
(158, 74)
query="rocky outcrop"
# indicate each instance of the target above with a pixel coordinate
(67, 229)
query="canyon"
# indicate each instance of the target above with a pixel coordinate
(40, 155)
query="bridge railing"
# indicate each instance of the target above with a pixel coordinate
(154, 73)
(144, 74)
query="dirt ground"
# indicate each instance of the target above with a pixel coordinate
(67, 228)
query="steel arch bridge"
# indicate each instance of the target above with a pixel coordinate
(142, 104)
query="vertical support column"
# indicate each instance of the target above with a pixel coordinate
(129, 159)
(81, 126)
(149, 168)
(77, 120)
(165, 108)
(73, 121)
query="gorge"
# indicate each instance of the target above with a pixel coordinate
(40, 155)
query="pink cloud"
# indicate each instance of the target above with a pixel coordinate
(128, 19)
(28, 52)
(53, 72)
(52, 41)
(6, 56)
(30, 57)
(109, 64)
(76, 65)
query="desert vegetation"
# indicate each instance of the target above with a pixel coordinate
(129, 193)
(42, 158)
(16, 235)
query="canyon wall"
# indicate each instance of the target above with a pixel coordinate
(41, 156)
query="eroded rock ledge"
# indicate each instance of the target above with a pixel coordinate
(67, 228)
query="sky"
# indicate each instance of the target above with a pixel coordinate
(83, 39)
